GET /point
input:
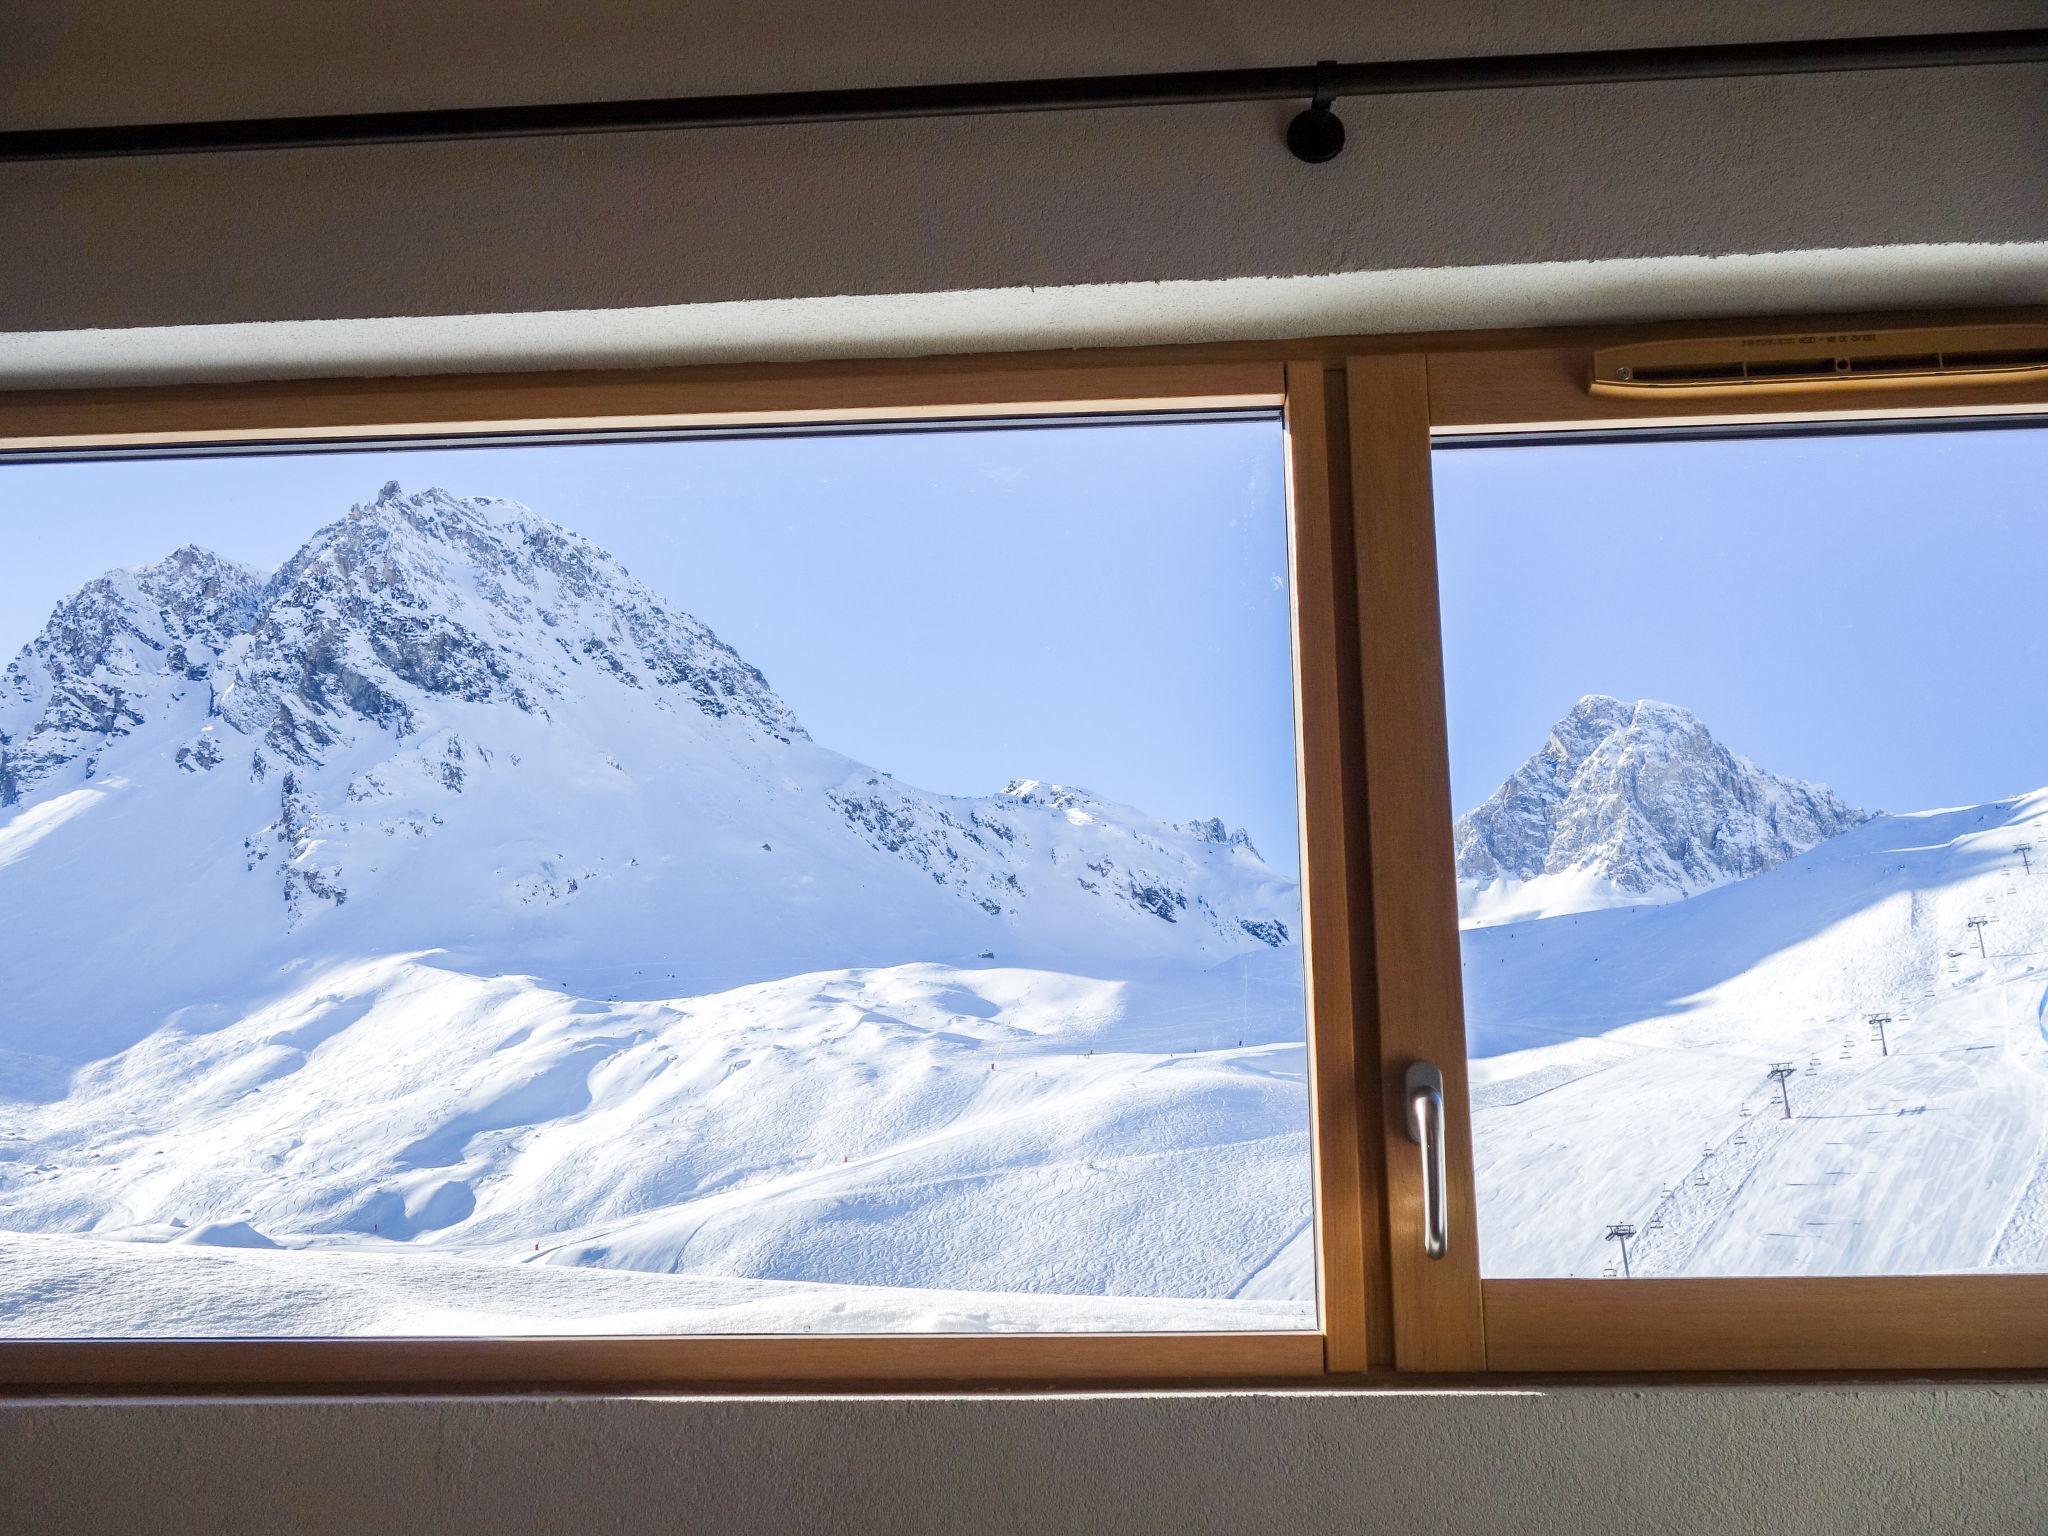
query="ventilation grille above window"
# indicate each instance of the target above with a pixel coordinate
(1958, 353)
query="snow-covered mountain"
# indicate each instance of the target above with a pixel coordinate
(1630, 803)
(1621, 1065)
(1623, 1042)
(450, 724)
(450, 887)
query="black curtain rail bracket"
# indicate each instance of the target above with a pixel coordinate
(1315, 134)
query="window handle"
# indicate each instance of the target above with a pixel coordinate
(1425, 1096)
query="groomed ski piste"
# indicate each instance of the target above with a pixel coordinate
(443, 935)
(1623, 1057)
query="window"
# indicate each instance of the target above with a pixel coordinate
(477, 887)
(1754, 963)
(1728, 843)
(1554, 888)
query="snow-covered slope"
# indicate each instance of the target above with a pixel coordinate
(1621, 1061)
(1629, 803)
(991, 1129)
(450, 888)
(176, 1290)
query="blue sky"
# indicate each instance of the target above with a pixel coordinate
(1103, 606)
(1866, 611)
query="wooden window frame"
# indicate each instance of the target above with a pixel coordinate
(1378, 884)
(1447, 1317)
(1309, 396)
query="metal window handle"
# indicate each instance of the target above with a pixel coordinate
(1424, 1092)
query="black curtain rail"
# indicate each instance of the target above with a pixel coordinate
(1320, 84)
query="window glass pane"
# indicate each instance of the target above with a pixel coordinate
(1750, 849)
(645, 886)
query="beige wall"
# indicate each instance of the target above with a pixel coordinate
(991, 203)
(1544, 1463)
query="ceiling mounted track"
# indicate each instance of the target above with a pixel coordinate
(1315, 134)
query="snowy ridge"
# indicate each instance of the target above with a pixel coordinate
(1630, 803)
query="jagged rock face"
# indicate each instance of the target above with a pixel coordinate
(998, 850)
(1210, 829)
(1643, 797)
(109, 653)
(474, 599)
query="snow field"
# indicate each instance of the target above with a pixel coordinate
(79, 1284)
(996, 1130)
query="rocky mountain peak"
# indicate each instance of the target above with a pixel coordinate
(1211, 829)
(409, 602)
(420, 596)
(109, 652)
(132, 619)
(1639, 802)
